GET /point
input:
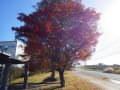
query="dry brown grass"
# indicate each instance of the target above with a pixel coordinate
(72, 83)
(76, 83)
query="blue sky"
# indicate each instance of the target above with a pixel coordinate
(9, 13)
(108, 48)
(10, 9)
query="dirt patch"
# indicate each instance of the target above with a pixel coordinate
(104, 78)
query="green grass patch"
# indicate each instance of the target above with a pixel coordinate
(37, 78)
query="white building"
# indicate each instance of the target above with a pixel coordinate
(78, 63)
(13, 48)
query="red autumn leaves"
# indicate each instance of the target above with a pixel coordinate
(67, 25)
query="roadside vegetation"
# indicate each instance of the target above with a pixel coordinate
(72, 82)
(105, 68)
(117, 70)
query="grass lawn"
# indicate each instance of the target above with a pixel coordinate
(72, 82)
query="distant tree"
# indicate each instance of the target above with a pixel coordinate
(59, 31)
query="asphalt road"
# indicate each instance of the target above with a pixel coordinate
(113, 82)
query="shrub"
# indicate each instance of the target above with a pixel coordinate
(108, 70)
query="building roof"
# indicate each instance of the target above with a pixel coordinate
(4, 59)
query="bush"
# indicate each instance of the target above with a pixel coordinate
(108, 70)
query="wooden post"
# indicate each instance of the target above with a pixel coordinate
(26, 70)
(5, 75)
(2, 68)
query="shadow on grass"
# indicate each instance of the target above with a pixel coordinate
(34, 86)
(52, 88)
(46, 84)
(16, 86)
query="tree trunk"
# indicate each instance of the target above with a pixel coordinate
(61, 76)
(52, 72)
(1, 72)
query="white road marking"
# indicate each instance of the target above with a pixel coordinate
(115, 81)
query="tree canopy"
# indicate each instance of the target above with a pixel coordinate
(59, 31)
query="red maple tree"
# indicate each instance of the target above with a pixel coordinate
(59, 31)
